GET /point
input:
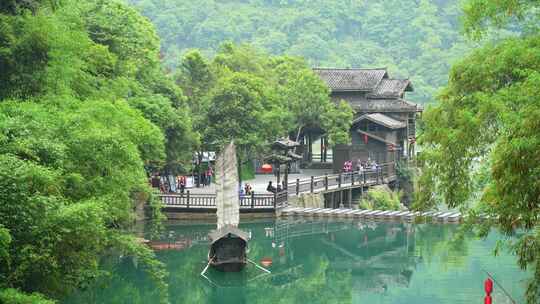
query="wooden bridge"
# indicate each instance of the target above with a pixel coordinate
(385, 174)
(206, 202)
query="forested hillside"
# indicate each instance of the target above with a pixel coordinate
(414, 39)
(87, 113)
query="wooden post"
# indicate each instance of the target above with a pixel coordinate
(311, 186)
(340, 199)
(325, 148)
(350, 198)
(275, 199)
(339, 181)
(297, 186)
(322, 148)
(310, 148)
(187, 199)
(286, 177)
(364, 173)
(326, 181)
(253, 199)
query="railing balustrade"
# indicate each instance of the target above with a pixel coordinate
(200, 200)
(365, 177)
(312, 184)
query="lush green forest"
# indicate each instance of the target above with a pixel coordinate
(413, 39)
(84, 107)
(252, 98)
(87, 112)
(481, 140)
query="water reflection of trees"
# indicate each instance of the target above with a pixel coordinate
(314, 261)
(445, 242)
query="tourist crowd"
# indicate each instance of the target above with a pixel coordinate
(361, 166)
(178, 184)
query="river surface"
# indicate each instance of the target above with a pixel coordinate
(319, 261)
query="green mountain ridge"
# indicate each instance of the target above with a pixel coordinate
(418, 40)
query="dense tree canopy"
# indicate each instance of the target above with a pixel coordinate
(253, 98)
(481, 141)
(84, 106)
(414, 39)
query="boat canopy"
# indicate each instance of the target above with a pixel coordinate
(226, 230)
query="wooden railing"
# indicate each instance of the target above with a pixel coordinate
(208, 201)
(336, 181)
(279, 200)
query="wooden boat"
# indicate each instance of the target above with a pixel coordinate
(176, 245)
(228, 247)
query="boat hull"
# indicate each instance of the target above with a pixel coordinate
(229, 266)
(228, 249)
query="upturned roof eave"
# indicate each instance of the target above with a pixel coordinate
(402, 125)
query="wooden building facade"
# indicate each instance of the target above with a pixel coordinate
(384, 125)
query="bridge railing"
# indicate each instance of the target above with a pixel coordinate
(208, 201)
(333, 181)
(279, 200)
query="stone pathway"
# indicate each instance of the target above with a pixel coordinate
(260, 182)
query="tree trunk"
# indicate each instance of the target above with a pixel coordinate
(199, 161)
(310, 150)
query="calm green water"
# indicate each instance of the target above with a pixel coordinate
(317, 261)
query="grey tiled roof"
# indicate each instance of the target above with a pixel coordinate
(389, 88)
(351, 79)
(382, 119)
(285, 143)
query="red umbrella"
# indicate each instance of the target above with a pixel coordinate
(266, 168)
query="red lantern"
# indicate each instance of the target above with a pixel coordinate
(266, 168)
(365, 138)
(266, 262)
(488, 286)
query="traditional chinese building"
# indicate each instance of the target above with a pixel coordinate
(384, 124)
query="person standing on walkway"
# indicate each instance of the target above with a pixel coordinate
(209, 174)
(270, 187)
(248, 189)
(203, 179)
(182, 184)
